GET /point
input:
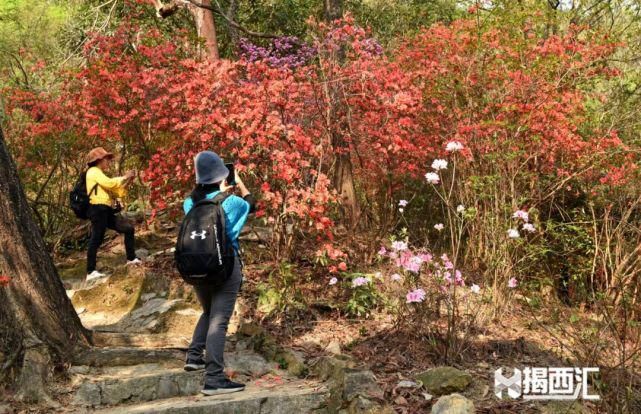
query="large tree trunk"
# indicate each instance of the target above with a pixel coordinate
(39, 323)
(206, 28)
(343, 178)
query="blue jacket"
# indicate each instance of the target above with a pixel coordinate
(236, 211)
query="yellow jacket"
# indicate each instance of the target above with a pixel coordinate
(106, 188)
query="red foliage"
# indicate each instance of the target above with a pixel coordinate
(4, 280)
(498, 94)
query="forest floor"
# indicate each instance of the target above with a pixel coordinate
(154, 301)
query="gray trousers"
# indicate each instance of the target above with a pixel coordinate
(218, 305)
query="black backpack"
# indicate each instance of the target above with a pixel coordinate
(204, 255)
(79, 198)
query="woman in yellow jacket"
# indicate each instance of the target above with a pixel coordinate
(102, 213)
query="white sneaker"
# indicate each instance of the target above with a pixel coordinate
(134, 262)
(95, 275)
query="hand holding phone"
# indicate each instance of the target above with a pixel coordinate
(231, 178)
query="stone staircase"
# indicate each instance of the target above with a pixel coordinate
(137, 380)
(294, 397)
(136, 366)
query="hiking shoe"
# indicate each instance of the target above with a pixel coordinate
(134, 262)
(223, 387)
(196, 365)
(95, 275)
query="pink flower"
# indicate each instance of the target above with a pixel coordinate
(402, 203)
(415, 296)
(399, 246)
(360, 281)
(448, 265)
(447, 276)
(439, 226)
(458, 278)
(396, 277)
(333, 281)
(382, 251)
(411, 262)
(529, 227)
(342, 266)
(425, 257)
(512, 283)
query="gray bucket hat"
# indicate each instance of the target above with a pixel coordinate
(210, 168)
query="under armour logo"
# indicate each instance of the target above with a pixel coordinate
(202, 235)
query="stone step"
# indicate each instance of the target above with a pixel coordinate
(299, 397)
(136, 383)
(125, 356)
(104, 384)
(159, 341)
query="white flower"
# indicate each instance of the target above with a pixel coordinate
(439, 226)
(521, 214)
(475, 288)
(439, 164)
(399, 246)
(400, 210)
(453, 146)
(378, 275)
(396, 277)
(402, 203)
(529, 227)
(432, 178)
(460, 208)
(333, 281)
(513, 234)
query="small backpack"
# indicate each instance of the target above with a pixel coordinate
(79, 198)
(204, 255)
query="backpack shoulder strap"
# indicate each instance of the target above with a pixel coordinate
(94, 189)
(218, 199)
(221, 197)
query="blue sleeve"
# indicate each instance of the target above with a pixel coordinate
(187, 205)
(236, 212)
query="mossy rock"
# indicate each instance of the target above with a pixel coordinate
(445, 380)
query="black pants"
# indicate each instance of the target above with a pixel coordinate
(211, 330)
(102, 218)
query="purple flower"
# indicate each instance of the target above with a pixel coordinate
(284, 52)
(360, 281)
(402, 203)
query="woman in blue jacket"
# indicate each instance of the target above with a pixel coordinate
(208, 343)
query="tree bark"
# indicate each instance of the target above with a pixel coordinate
(36, 314)
(206, 28)
(343, 178)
